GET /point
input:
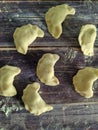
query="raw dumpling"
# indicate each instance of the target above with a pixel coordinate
(45, 69)
(33, 101)
(55, 17)
(25, 35)
(87, 38)
(7, 74)
(83, 81)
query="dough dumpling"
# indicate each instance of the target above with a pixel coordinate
(55, 17)
(33, 101)
(7, 74)
(83, 81)
(45, 69)
(87, 38)
(25, 35)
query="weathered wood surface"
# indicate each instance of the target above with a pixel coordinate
(71, 111)
(14, 14)
(71, 60)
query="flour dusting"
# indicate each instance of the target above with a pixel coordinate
(7, 107)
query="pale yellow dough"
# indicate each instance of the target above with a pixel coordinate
(55, 17)
(87, 38)
(7, 74)
(83, 81)
(33, 101)
(45, 69)
(25, 35)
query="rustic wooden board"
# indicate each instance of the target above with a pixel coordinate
(15, 14)
(82, 117)
(71, 60)
(71, 111)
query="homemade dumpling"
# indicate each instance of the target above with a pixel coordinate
(55, 17)
(87, 38)
(83, 81)
(33, 101)
(25, 35)
(45, 69)
(7, 74)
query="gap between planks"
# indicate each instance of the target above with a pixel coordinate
(45, 48)
(39, 48)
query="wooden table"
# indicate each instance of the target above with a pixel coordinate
(71, 111)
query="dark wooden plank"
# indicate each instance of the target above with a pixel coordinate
(71, 111)
(82, 117)
(71, 60)
(14, 14)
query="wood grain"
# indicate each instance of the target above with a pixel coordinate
(71, 111)
(15, 14)
(71, 60)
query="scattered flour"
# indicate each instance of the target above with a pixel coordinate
(67, 128)
(7, 107)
